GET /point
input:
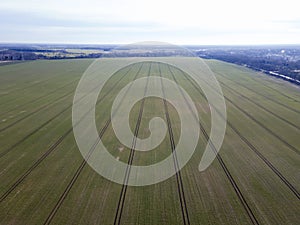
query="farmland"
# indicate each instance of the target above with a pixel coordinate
(45, 180)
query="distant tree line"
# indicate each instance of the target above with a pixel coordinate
(269, 59)
(16, 54)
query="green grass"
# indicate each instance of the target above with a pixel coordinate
(33, 93)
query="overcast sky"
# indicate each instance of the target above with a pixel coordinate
(127, 21)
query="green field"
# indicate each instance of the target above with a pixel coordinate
(45, 180)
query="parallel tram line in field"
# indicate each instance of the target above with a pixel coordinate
(29, 86)
(10, 148)
(221, 162)
(24, 88)
(83, 164)
(37, 110)
(252, 147)
(35, 164)
(266, 161)
(75, 176)
(259, 105)
(183, 204)
(40, 97)
(121, 202)
(279, 92)
(291, 147)
(41, 108)
(267, 97)
(52, 118)
(260, 72)
(276, 90)
(52, 147)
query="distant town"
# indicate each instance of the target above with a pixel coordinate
(279, 61)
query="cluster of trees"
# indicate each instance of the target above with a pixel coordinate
(11, 55)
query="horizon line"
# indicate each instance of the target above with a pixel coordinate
(120, 44)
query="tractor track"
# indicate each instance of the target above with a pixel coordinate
(37, 110)
(274, 89)
(121, 202)
(29, 86)
(291, 147)
(266, 97)
(82, 165)
(75, 176)
(39, 98)
(253, 148)
(223, 165)
(279, 92)
(260, 106)
(53, 146)
(53, 118)
(183, 204)
(264, 73)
